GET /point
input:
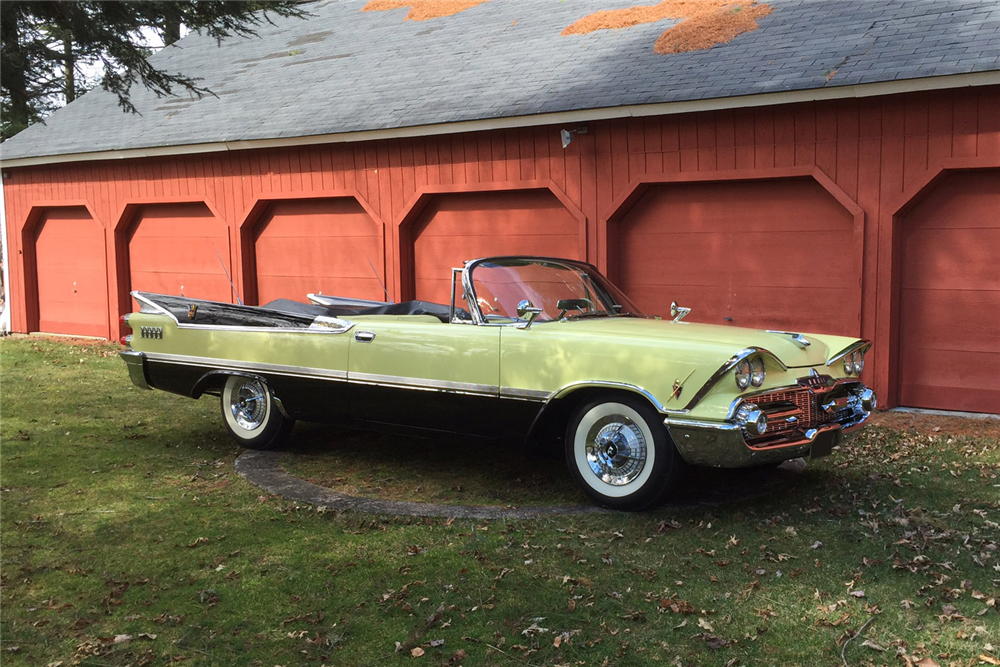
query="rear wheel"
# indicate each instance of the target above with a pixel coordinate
(251, 414)
(620, 453)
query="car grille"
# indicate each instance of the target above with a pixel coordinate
(791, 411)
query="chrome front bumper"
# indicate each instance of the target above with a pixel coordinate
(135, 362)
(729, 444)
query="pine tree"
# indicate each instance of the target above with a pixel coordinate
(44, 44)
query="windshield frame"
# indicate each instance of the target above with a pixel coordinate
(596, 276)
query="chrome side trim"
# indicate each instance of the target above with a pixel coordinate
(424, 384)
(525, 394)
(373, 379)
(322, 324)
(723, 370)
(613, 385)
(226, 364)
(718, 426)
(861, 345)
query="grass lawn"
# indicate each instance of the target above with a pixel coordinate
(127, 539)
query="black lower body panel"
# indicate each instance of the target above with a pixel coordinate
(336, 401)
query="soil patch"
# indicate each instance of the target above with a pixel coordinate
(424, 9)
(931, 424)
(704, 23)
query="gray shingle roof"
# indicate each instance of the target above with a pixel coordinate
(344, 70)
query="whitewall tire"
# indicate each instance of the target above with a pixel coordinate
(620, 453)
(251, 413)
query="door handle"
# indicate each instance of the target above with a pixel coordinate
(364, 336)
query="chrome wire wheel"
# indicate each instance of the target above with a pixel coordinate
(249, 404)
(616, 449)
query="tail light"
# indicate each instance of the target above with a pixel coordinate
(123, 326)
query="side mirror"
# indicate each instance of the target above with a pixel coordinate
(526, 310)
(678, 313)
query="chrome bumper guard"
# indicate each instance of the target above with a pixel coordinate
(136, 364)
(738, 443)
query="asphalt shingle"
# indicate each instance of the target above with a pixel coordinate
(344, 70)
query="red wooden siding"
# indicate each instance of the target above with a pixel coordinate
(457, 227)
(879, 152)
(773, 253)
(71, 273)
(949, 324)
(179, 249)
(317, 245)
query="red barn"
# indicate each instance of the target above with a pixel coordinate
(826, 167)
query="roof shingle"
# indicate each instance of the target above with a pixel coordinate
(344, 70)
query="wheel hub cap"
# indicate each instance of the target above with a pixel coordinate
(616, 450)
(249, 405)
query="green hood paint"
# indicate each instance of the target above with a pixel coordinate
(732, 339)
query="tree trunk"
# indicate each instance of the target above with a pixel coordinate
(69, 67)
(171, 31)
(15, 76)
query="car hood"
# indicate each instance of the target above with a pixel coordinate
(781, 345)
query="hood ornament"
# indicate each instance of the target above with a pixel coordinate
(797, 338)
(678, 312)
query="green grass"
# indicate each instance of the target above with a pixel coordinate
(447, 471)
(121, 515)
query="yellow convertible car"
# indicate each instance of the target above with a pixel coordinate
(529, 348)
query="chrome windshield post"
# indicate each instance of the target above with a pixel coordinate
(454, 279)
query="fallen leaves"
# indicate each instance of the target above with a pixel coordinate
(678, 606)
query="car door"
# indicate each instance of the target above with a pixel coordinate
(416, 371)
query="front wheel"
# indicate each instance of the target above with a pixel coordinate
(251, 414)
(620, 453)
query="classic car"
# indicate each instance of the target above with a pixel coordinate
(529, 349)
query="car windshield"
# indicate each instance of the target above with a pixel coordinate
(561, 289)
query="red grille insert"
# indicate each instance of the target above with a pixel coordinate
(788, 410)
(792, 411)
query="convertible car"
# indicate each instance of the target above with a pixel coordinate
(529, 349)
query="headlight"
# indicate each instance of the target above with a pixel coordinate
(743, 374)
(757, 372)
(849, 364)
(859, 362)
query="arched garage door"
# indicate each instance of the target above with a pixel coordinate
(71, 273)
(458, 227)
(320, 245)
(778, 254)
(949, 313)
(176, 248)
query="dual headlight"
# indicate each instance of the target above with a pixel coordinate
(750, 373)
(854, 363)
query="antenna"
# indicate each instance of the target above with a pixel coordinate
(235, 293)
(378, 278)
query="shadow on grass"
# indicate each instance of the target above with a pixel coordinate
(456, 471)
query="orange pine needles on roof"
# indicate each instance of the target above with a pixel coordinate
(704, 23)
(422, 10)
